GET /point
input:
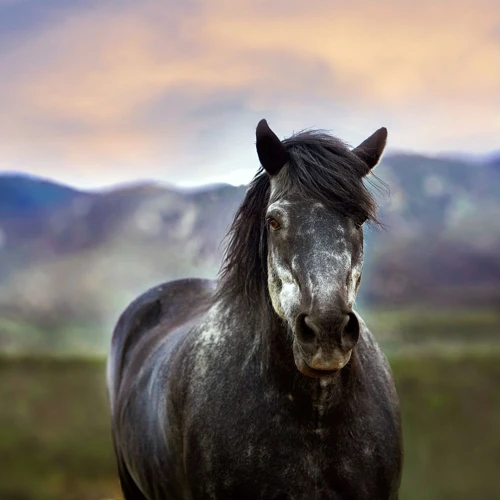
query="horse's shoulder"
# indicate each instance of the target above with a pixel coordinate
(147, 310)
(171, 304)
(169, 292)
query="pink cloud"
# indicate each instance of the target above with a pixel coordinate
(154, 89)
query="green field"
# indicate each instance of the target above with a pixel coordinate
(54, 431)
(55, 439)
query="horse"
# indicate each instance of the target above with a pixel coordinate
(264, 384)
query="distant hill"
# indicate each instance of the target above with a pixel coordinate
(494, 160)
(70, 261)
(442, 234)
(69, 270)
(22, 195)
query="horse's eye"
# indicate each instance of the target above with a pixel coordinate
(273, 223)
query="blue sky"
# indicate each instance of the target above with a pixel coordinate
(98, 92)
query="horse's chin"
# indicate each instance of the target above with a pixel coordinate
(330, 369)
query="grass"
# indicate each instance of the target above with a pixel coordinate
(451, 412)
(54, 431)
(54, 425)
(402, 331)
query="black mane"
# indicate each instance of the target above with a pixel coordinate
(320, 167)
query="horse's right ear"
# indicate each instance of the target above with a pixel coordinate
(272, 153)
(371, 149)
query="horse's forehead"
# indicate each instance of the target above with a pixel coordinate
(309, 212)
(296, 203)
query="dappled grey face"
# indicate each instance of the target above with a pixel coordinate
(315, 253)
(315, 257)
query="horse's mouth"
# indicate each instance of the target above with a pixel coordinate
(306, 370)
(309, 371)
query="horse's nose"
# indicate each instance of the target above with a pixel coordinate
(344, 330)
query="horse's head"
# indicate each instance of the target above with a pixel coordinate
(317, 206)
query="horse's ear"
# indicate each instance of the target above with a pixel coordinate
(272, 153)
(371, 149)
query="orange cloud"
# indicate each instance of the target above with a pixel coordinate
(143, 84)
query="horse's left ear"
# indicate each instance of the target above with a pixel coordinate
(371, 149)
(272, 153)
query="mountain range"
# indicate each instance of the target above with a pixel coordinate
(70, 260)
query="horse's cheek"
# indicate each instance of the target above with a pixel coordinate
(354, 284)
(274, 286)
(284, 293)
(290, 300)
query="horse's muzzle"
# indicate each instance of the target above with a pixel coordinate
(321, 349)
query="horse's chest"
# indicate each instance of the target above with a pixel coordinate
(264, 452)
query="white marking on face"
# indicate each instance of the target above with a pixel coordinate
(283, 290)
(325, 274)
(278, 204)
(355, 275)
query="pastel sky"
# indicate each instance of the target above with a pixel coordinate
(97, 92)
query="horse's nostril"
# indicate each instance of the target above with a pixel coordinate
(350, 333)
(304, 328)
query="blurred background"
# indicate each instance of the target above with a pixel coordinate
(126, 141)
